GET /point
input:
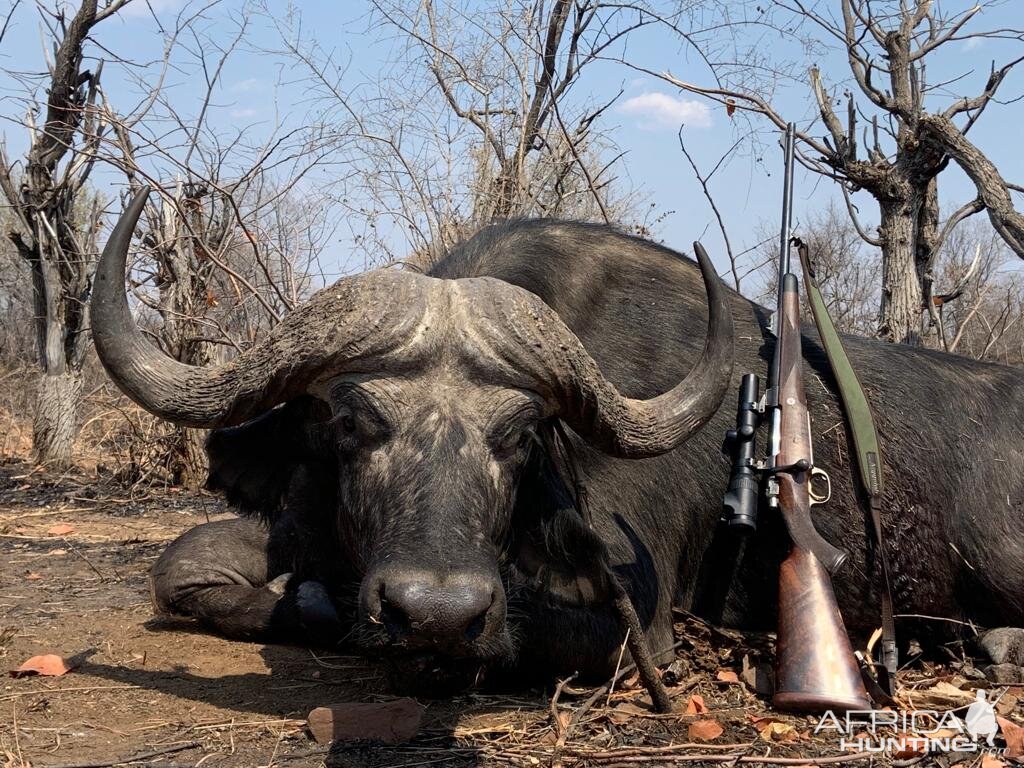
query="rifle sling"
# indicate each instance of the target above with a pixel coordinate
(866, 448)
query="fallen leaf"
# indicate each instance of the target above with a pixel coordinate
(391, 722)
(779, 732)
(1007, 703)
(727, 676)
(625, 712)
(1013, 734)
(49, 665)
(908, 745)
(630, 683)
(991, 761)
(57, 552)
(61, 529)
(705, 730)
(696, 705)
(32, 576)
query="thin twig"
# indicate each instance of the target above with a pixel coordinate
(131, 759)
(735, 758)
(560, 729)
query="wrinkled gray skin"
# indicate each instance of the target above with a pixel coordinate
(401, 472)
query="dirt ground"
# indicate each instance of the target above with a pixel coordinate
(148, 691)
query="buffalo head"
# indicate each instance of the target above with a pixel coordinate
(431, 392)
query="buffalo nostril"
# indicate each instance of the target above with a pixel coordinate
(476, 626)
(395, 621)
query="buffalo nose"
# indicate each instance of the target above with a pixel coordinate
(450, 610)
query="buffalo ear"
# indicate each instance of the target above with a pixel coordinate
(552, 546)
(252, 464)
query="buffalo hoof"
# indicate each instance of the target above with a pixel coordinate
(1004, 645)
(317, 614)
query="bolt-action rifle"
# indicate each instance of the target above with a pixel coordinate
(816, 666)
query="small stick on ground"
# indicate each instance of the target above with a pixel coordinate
(642, 657)
(740, 758)
(587, 705)
(132, 759)
(618, 666)
(561, 730)
(87, 561)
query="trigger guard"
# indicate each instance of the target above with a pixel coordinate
(815, 498)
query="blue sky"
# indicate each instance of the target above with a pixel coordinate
(258, 91)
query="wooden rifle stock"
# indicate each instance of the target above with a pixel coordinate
(816, 668)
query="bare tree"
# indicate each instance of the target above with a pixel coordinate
(846, 270)
(224, 251)
(913, 130)
(17, 342)
(980, 316)
(57, 218)
(480, 116)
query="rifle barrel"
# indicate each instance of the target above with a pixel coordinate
(787, 207)
(775, 373)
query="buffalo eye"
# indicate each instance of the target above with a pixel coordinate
(514, 441)
(358, 425)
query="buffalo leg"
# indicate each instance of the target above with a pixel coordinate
(218, 573)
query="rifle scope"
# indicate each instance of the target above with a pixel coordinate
(741, 499)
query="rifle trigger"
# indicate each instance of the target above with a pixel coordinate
(817, 498)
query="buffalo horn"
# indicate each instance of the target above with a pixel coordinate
(352, 323)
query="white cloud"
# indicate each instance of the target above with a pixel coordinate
(659, 110)
(971, 43)
(243, 113)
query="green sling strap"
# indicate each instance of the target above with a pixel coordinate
(865, 441)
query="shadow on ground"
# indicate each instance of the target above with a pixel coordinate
(298, 680)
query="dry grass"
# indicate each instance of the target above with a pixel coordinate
(117, 440)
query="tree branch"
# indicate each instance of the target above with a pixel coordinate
(993, 191)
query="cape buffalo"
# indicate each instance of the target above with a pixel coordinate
(382, 446)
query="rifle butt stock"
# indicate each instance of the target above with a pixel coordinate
(817, 670)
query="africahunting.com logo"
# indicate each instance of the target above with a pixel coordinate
(916, 732)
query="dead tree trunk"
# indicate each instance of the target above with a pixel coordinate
(55, 232)
(900, 311)
(907, 144)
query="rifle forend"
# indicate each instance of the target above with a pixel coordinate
(795, 457)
